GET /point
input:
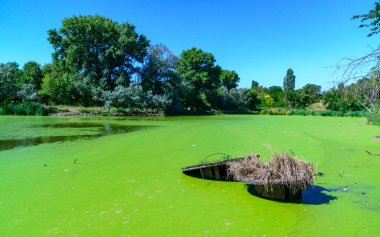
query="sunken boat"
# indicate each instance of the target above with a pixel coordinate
(283, 178)
(217, 170)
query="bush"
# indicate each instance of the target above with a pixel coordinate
(303, 112)
(275, 111)
(238, 101)
(133, 98)
(357, 113)
(374, 119)
(24, 109)
(300, 112)
(91, 110)
(337, 113)
(326, 113)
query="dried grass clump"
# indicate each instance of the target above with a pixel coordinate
(284, 169)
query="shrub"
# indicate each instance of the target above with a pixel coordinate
(133, 98)
(24, 109)
(303, 112)
(374, 119)
(275, 111)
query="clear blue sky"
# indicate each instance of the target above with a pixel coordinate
(259, 39)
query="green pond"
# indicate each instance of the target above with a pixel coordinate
(86, 176)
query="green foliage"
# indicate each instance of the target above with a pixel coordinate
(27, 93)
(277, 94)
(306, 96)
(229, 79)
(366, 92)
(238, 100)
(32, 74)
(198, 70)
(100, 49)
(255, 85)
(336, 98)
(327, 113)
(56, 85)
(99, 62)
(133, 97)
(275, 111)
(158, 69)
(373, 118)
(9, 78)
(24, 109)
(289, 85)
(92, 110)
(304, 112)
(373, 17)
(267, 100)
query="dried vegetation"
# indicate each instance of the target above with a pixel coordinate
(284, 169)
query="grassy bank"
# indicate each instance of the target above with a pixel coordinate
(311, 112)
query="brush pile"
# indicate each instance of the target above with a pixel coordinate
(283, 170)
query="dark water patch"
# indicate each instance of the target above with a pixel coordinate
(314, 195)
(71, 125)
(317, 195)
(8, 144)
(100, 129)
(97, 129)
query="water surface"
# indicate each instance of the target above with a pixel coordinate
(94, 129)
(131, 184)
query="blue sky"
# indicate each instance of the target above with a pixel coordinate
(259, 39)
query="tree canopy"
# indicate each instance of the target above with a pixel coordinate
(229, 79)
(9, 78)
(100, 62)
(158, 68)
(99, 48)
(197, 68)
(32, 74)
(289, 85)
(371, 20)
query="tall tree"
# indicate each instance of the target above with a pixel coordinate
(197, 68)
(306, 95)
(9, 78)
(341, 98)
(255, 85)
(277, 94)
(57, 87)
(32, 74)
(158, 69)
(100, 49)
(367, 93)
(289, 85)
(229, 79)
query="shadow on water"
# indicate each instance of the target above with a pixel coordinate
(314, 195)
(98, 130)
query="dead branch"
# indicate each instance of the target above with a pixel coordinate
(283, 169)
(356, 68)
(373, 154)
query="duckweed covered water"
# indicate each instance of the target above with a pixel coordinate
(130, 183)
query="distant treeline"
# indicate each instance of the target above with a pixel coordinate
(99, 62)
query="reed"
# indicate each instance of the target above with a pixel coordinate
(284, 169)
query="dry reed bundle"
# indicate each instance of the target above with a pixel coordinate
(284, 169)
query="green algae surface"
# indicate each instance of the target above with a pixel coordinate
(129, 183)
